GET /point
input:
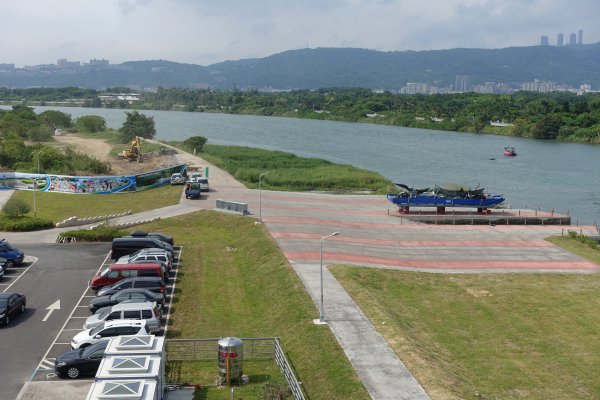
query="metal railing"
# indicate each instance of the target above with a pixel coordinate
(254, 349)
(287, 371)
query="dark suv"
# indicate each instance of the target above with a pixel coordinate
(126, 245)
(12, 255)
(152, 283)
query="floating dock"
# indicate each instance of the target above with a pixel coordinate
(454, 216)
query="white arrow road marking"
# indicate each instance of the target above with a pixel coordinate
(50, 308)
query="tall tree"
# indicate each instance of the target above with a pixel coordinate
(137, 124)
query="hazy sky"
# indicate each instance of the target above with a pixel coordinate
(209, 31)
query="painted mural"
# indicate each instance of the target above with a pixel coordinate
(89, 184)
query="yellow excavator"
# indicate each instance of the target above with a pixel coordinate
(134, 153)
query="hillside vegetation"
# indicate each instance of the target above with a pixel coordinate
(339, 67)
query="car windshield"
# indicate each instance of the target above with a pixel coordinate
(88, 350)
(103, 312)
(3, 303)
(8, 246)
(95, 330)
(105, 272)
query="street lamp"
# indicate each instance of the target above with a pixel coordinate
(260, 196)
(322, 314)
(35, 184)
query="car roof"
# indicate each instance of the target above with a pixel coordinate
(133, 306)
(140, 278)
(124, 322)
(133, 266)
(6, 295)
(134, 290)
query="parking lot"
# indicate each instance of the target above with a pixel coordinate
(54, 278)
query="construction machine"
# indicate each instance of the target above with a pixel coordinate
(134, 153)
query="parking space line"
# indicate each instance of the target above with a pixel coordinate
(47, 363)
(54, 342)
(22, 273)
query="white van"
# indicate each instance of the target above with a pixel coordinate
(148, 311)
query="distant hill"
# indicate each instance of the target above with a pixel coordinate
(335, 67)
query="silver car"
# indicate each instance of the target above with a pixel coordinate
(148, 311)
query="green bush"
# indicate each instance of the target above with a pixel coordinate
(102, 233)
(584, 239)
(15, 208)
(24, 224)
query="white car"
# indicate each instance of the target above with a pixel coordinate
(177, 179)
(109, 329)
(147, 311)
(195, 176)
(147, 254)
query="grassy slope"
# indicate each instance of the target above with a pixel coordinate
(290, 172)
(234, 281)
(59, 206)
(490, 336)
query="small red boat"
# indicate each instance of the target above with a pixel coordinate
(510, 151)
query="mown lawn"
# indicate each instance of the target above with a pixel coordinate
(234, 281)
(59, 206)
(491, 336)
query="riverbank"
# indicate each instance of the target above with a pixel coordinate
(536, 179)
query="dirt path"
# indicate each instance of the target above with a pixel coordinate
(92, 147)
(99, 149)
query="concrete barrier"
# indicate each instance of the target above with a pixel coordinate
(234, 206)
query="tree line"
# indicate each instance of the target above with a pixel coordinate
(561, 116)
(24, 137)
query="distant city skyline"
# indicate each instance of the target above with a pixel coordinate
(573, 39)
(206, 32)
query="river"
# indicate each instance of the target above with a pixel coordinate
(545, 174)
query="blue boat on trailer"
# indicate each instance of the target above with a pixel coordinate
(442, 197)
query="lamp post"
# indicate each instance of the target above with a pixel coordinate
(260, 196)
(35, 184)
(322, 313)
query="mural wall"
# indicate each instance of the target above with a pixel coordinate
(89, 184)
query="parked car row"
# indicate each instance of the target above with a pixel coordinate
(130, 299)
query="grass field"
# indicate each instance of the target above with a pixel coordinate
(290, 172)
(59, 206)
(234, 281)
(508, 336)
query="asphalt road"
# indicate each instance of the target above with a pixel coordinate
(60, 272)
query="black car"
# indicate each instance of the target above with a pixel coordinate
(123, 246)
(131, 295)
(157, 235)
(152, 283)
(80, 362)
(11, 305)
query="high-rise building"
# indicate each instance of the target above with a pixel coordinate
(462, 83)
(64, 63)
(544, 40)
(580, 37)
(560, 40)
(572, 39)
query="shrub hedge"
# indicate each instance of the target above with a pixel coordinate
(24, 224)
(102, 233)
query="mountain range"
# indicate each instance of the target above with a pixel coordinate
(333, 67)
